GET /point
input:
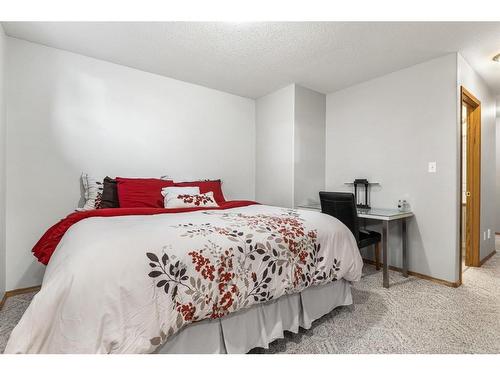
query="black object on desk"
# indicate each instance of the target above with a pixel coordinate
(359, 185)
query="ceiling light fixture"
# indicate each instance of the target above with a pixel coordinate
(496, 58)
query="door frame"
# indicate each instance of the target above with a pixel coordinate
(473, 183)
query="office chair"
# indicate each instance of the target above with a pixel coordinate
(343, 207)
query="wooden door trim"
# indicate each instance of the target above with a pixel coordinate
(16, 292)
(473, 180)
(468, 98)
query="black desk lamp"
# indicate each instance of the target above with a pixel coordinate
(361, 184)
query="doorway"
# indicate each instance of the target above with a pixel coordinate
(470, 203)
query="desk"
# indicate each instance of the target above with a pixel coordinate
(385, 216)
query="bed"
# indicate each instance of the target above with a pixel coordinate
(200, 280)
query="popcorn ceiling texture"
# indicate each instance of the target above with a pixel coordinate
(255, 58)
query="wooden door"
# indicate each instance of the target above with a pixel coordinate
(473, 178)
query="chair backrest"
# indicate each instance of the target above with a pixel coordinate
(343, 207)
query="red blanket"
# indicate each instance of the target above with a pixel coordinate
(46, 246)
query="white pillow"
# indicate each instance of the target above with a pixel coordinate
(189, 190)
(92, 192)
(174, 200)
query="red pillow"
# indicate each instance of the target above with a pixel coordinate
(141, 192)
(205, 187)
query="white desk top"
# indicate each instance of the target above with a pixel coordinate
(385, 214)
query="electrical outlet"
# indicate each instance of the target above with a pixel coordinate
(489, 233)
(432, 167)
(484, 236)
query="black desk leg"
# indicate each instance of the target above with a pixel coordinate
(385, 270)
(405, 247)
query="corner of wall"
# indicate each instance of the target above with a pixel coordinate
(3, 269)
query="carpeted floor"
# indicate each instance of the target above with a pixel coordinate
(412, 316)
(10, 314)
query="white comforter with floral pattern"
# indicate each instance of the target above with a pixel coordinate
(126, 284)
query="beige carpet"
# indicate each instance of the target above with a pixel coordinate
(412, 316)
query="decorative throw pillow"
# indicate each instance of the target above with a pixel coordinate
(109, 194)
(214, 186)
(92, 190)
(174, 200)
(141, 192)
(190, 190)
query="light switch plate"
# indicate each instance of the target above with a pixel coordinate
(489, 233)
(432, 167)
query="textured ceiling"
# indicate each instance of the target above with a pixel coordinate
(253, 59)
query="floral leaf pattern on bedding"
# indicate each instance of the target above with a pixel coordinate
(98, 200)
(198, 199)
(260, 258)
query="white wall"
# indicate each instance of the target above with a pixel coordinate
(309, 139)
(2, 165)
(387, 130)
(290, 146)
(468, 78)
(275, 147)
(67, 113)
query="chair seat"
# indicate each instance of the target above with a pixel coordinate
(367, 238)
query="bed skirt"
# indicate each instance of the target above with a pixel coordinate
(260, 324)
